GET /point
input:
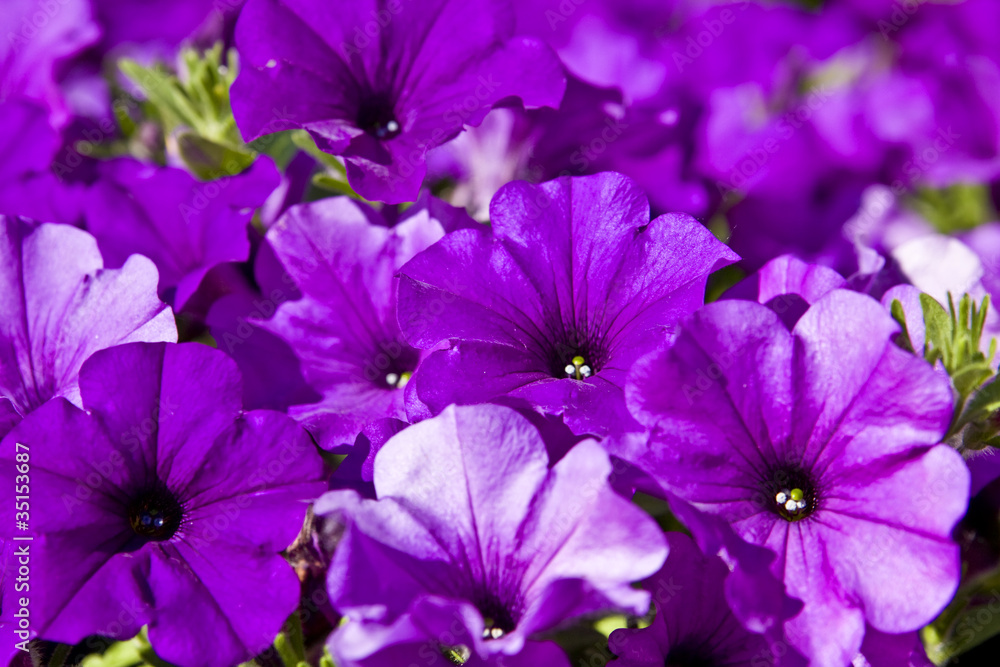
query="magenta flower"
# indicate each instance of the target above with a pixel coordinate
(58, 305)
(38, 38)
(185, 226)
(821, 444)
(552, 305)
(382, 83)
(475, 545)
(343, 257)
(693, 623)
(33, 183)
(173, 515)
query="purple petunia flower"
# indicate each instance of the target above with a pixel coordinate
(58, 305)
(381, 83)
(475, 545)
(343, 257)
(185, 226)
(29, 185)
(174, 512)
(159, 25)
(788, 286)
(38, 37)
(693, 624)
(573, 283)
(819, 443)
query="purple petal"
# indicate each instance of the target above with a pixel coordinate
(233, 625)
(186, 227)
(861, 397)
(60, 306)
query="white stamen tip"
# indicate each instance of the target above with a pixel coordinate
(272, 63)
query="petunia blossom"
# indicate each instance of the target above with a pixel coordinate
(693, 624)
(571, 284)
(185, 226)
(476, 545)
(36, 179)
(820, 444)
(173, 514)
(381, 83)
(38, 38)
(58, 305)
(343, 257)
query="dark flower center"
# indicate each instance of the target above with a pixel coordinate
(577, 357)
(790, 493)
(393, 366)
(498, 618)
(377, 117)
(688, 656)
(155, 514)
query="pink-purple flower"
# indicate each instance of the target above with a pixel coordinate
(821, 444)
(163, 504)
(59, 305)
(571, 283)
(381, 83)
(476, 545)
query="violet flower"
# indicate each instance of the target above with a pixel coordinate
(475, 545)
(58, 305)
(343, 257)
(788, 286)
(693, 624)
(173, 514)
(158, 26)
(819, 443)
(383, 83)
(33, 182)
(38, 38)
(571, 285)
(185, 226)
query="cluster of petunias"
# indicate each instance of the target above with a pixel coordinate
(357, 346)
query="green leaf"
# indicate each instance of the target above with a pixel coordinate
(976, 621)
(985, 402)
(956, 208)
(304, 140)
(903, 339)
(332, 183)
(970, 376)
(209, 160)
(609, 624)
(194, 106)
(937, 326)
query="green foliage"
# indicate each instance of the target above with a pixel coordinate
(953, 337)
(903, 340)
(193, 108)
(722, 280)
(955, 209)
(971, 618)
(136, 652)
